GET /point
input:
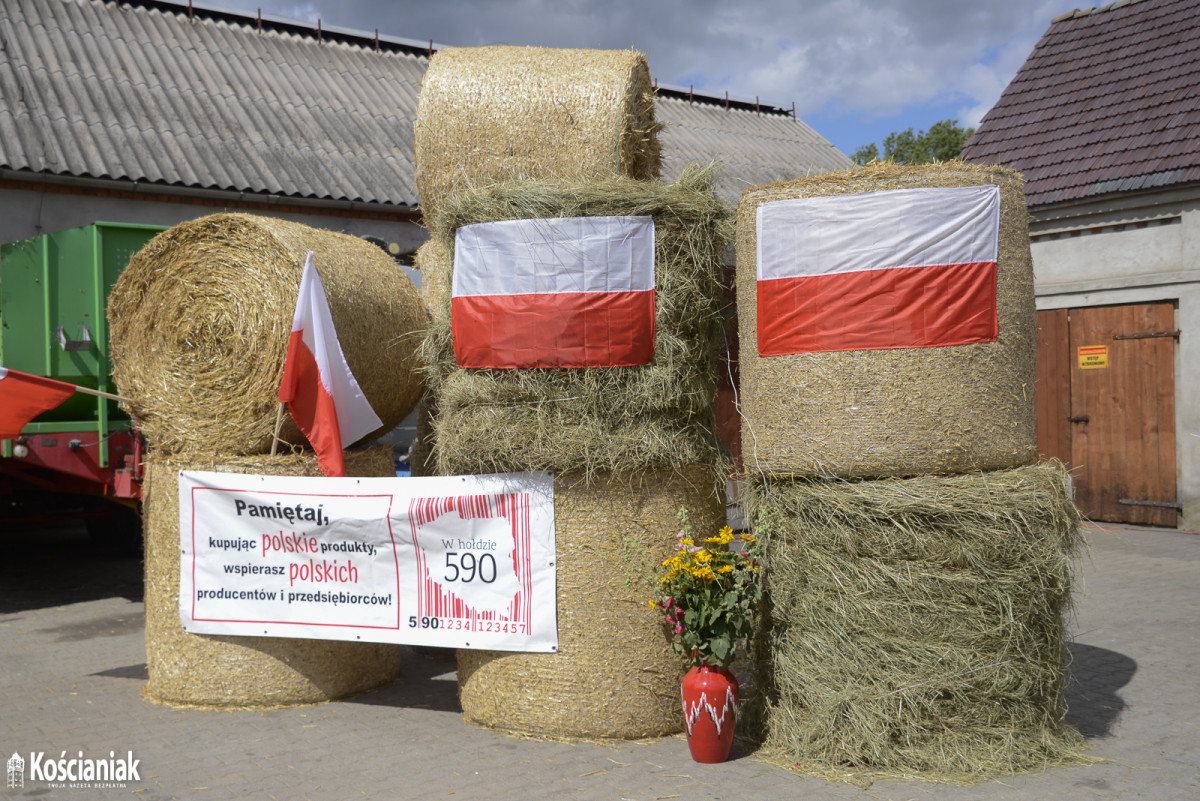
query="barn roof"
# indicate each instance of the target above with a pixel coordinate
(1108, 101)
(152, 91)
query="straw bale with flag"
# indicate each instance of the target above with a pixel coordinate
(581, 323)
(199, 327)
(886, 322)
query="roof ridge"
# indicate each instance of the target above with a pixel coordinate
(1084, 12)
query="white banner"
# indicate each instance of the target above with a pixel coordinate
(455, 561)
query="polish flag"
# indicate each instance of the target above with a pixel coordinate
(23, 397)
(909, 268)
(318, 387)
(564, 292)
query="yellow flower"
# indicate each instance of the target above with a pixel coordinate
(748, 538)
(686, 542)
(725, 569)
(723, 537)
(653, 605)
(702, 557)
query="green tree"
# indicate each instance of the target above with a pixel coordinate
(942, 142)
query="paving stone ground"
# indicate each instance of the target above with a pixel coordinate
(72, 663)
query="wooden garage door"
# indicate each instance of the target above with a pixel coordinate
(1106, 407)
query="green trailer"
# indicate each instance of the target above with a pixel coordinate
(53, 292)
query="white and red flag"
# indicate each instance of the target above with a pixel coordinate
(24, 396)
(318, 387)
(908, 268)
(563, 292)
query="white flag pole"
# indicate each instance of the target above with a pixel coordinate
(278, 425)
(100, 394)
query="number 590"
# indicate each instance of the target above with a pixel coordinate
(466, 567)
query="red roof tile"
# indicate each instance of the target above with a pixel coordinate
(1108, 101)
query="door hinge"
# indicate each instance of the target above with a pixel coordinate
(1083, 418)
(1157, 504)
(1150, 335)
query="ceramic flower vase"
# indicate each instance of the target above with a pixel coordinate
(710, 710)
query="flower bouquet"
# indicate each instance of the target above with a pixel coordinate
(709, 596)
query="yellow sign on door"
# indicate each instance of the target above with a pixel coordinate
(1093, 358)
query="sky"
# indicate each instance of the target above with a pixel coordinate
(857, 70)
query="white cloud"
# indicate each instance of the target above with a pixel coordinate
(302, 11)
(869, 58)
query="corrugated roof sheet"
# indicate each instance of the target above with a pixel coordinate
(1109, 101)
(140, 91)
(755, 148)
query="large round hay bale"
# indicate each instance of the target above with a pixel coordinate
(488, 114)
(243, 672)
(614, 674)
(620, 419)
(199, 324)
(904, 411)
(916, 626)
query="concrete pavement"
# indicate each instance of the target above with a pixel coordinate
(72, 662)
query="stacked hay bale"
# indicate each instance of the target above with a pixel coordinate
(508, 133)
(614, 674)
(199, 324)
(623, 420)
(630, 447)
(919, 562)
(489, 114)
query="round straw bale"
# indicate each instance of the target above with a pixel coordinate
(243, 672)
(494, 113)
(614, 674)
(871, 413)
(915, 626)
(200, 321)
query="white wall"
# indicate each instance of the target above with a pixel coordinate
(29, 213)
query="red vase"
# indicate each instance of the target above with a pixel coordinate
(710, 709)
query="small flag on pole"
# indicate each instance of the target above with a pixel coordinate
(23, 397)
(321, 393)
(908, 268)
(563, 292)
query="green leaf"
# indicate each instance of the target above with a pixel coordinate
(721, 648)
